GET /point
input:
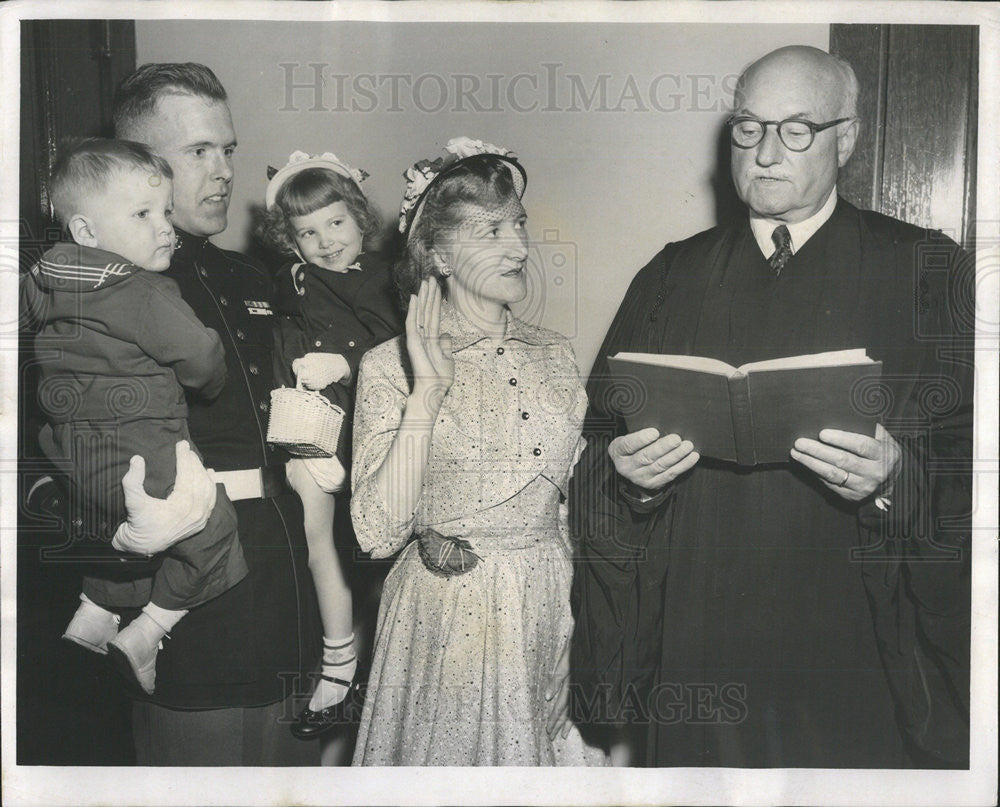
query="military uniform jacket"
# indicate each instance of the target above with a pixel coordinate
(245, 647)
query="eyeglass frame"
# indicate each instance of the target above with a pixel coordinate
(813, 128)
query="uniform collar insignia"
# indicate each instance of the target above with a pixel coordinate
(187, 245)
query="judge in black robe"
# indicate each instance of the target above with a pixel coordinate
(755, 617)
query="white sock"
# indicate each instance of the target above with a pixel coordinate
(339, 661)
(85, 599)
(163, 617)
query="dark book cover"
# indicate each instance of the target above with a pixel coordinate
(747, 415)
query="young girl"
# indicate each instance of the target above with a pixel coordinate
(331, 304)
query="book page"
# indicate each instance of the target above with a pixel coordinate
(833, 358)
(699, 363)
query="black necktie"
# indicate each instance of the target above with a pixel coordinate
(783, 242)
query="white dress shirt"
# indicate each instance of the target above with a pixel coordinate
(800, 231)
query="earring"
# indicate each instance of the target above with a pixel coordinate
(445, 270)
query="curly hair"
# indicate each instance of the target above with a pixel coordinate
(306, 192)
(483, 180)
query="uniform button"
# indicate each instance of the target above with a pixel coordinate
(240, 334)
(318, 343)
(254, 369)
(224, 301)
(499, 351)
(263, 408)
(537, 452)
(524, 416)
(513, 382)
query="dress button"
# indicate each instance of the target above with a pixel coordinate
(318, 343)
(537, 452)
(350, 344)
(524, 416)
(513, 382)
(202, 272)
(224, 301)
(263, 408)
(499, 351)
(240, 334)
(254, 369)
(302, 275)
(302, 292)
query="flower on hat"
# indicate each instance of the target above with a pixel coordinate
(467, 147)
(299, 161)
(418, 178)
(357, 174)
(421, 174)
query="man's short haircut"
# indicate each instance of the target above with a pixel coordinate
(136, 97)
(85, 167)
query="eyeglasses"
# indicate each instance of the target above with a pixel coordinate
(795, 133)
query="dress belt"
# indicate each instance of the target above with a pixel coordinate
(253, 483)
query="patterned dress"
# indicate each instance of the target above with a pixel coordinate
(460, 663)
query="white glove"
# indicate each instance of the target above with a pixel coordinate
(326, 472)
(155, 524)
(320, 370)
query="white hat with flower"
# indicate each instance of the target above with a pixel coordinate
(423, 174)
(300, 161)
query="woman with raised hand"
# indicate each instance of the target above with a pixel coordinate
(466, 432)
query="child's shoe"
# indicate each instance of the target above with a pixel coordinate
(134, 651)
(337, 699)
(92, 627)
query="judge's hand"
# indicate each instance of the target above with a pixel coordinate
(851, 465)
(154, 525)
(649, 461)
(320, 370)
(429, 349)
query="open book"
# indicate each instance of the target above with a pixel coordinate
(750, 414)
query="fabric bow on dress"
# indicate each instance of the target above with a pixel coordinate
(445, 555)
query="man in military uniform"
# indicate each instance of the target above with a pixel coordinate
(225, 678)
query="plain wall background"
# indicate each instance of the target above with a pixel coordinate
(611, 177)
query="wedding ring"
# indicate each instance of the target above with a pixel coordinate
(842, 482)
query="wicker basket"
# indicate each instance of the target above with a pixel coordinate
(304, 422)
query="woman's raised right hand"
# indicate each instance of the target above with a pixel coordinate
(428, 348)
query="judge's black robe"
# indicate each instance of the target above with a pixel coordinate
(752, 617)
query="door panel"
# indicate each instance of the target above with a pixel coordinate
(916, 153)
